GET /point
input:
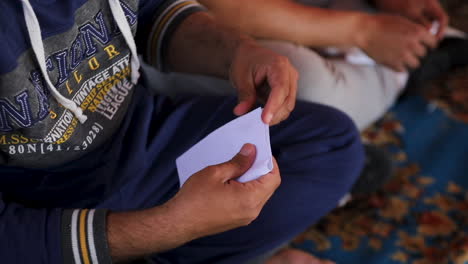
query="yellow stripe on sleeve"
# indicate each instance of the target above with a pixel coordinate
(160, 26)
(83, 244)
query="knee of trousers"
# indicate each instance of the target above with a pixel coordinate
(320, 140)
(344, 151)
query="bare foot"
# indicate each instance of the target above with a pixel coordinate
(295, 256)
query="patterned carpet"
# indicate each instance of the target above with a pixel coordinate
(421, 216)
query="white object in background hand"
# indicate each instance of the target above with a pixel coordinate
(435, 28)
(358, 57)
(225, 142)
(352, 55)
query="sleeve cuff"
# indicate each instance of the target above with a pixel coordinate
(168, 18)
(84, 237)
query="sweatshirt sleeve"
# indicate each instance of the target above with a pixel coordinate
(84, 237)
(51, 236)
(157, 23)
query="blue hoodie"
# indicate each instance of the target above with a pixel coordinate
(88, 64)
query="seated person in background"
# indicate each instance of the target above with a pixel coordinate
(396, 38)
(399, 38)
(87, 151)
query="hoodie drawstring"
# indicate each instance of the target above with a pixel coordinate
(124, 26)
(35, 37)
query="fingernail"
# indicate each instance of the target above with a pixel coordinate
(246, 150)
(268, 118)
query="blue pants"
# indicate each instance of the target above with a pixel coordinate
(318, 151)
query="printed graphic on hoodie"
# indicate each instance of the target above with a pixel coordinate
(87, 61)
(90, 65)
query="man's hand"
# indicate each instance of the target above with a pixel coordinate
(201, 46)
(423, 12)
(262, 75)
(394, 41)
(212, 201)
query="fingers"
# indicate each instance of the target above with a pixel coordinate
(283, 89)
(279, 91)
(398, 66)
(424, 21)
(247, 96)
(259, 191)
(273, 107)
(444, 22)
(268, 183)
(291, 100)
(427, 38)
(436, 12)
(419, 50)
(244, 105)
(263, 187)
(412, 61)
(418, 41)
(238, 165)
(408, 61)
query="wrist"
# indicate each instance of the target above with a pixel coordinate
(175, 219)
(362, 23)
(139, 233)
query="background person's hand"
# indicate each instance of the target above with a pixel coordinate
(394, 41)
(212, 201)
(423, 12)
(260, 75)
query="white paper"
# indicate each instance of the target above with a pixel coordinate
(435, 28)
(351, 55)
(225, 142)
(358, 57)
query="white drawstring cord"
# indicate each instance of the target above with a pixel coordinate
(34, 32)
(124, 26)
(35, 37)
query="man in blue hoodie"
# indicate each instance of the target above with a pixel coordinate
(87, 150)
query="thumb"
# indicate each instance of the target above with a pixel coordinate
(240, 163)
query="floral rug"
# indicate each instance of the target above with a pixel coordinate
(421, 216)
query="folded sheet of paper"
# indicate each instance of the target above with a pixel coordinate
(225, 142)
